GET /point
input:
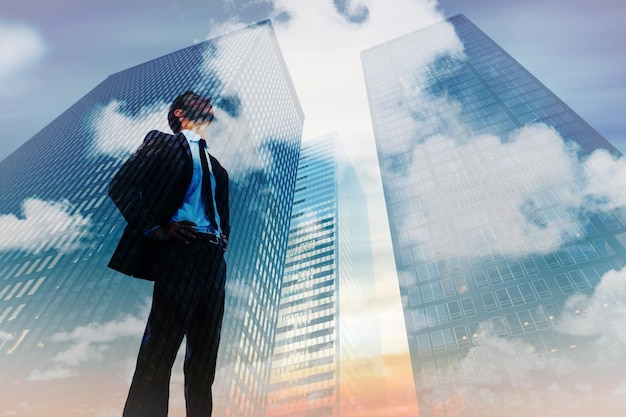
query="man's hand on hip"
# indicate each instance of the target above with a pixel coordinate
(183, 230)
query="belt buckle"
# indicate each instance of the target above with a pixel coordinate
(212, 238)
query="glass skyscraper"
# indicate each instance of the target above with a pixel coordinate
(70, 327)
(326, 329)
(508, 224)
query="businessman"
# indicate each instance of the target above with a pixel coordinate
(174, 197)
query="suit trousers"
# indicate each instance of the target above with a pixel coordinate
(188, 300)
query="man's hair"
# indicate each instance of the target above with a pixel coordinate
(179, 102)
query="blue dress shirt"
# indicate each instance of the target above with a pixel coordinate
(193, 207)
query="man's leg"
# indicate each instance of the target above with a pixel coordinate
(203, 335)
(149, 391)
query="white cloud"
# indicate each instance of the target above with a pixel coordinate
(87, 344)
(5, 337)
(81, 352)
(21, 47)
(44, 224)
(588, 376)
(601, 315)
(52, 374)
(118, 134)
(605, 180)
(232, 142)
(499, 360)
(103, 333)
(464, 200)
(499, 371)
(479, 208)
(620, 391)
(219, 28)
(474, 195)
(230, 138)
(322, 51)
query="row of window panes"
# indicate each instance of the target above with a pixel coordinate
(449, 312)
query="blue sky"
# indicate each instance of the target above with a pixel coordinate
(56, 52)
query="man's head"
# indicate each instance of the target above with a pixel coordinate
(189, 107)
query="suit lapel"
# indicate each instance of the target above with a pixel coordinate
(180, 138)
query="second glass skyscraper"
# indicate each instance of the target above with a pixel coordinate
(508, 227)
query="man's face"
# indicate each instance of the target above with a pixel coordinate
(198, 109)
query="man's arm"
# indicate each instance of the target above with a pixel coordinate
(221, 199)
(225, 211)
(133, 186)
(226, 218)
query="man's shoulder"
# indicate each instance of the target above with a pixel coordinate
(156, 139)
(158, 135)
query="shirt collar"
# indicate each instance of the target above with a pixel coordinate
(191, 136)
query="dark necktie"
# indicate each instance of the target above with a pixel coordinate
(207, 192)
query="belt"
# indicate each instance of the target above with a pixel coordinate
(211, 237)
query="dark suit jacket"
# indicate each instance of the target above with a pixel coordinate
(148, 189)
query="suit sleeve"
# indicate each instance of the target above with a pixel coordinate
(135, 185)
(226, 216)
(221, 196)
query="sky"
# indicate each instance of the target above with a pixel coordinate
(54, 54)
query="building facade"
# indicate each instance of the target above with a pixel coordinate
(70, 327)
(508, 226)
(327, 293)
